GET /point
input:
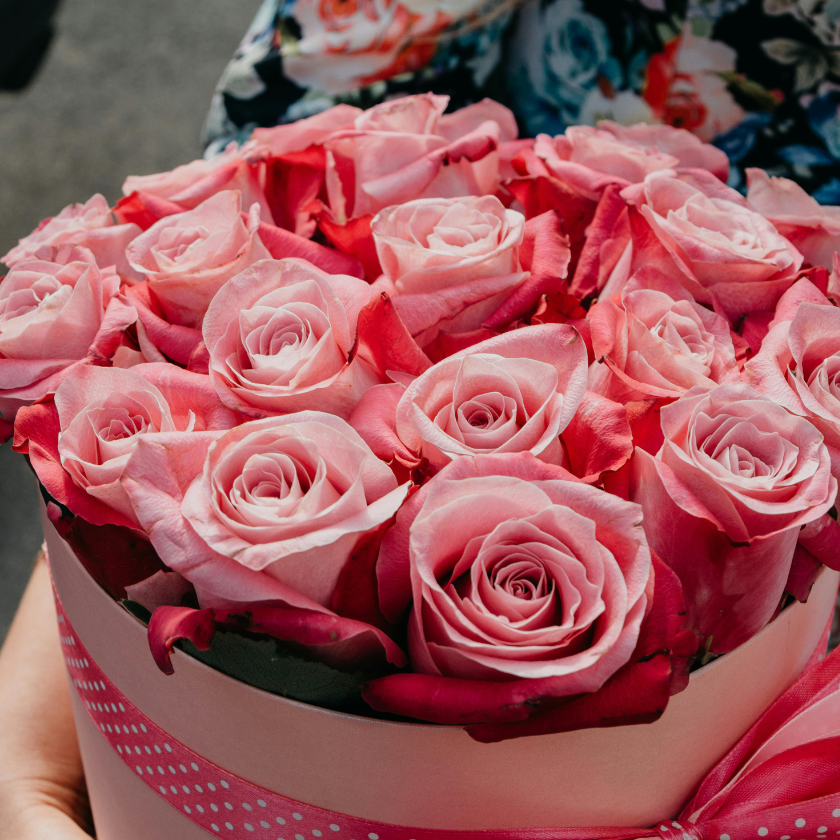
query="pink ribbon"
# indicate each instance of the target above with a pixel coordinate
(781, 781)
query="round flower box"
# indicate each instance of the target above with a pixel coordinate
(422, 776)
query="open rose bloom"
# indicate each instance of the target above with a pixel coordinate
(497, 433)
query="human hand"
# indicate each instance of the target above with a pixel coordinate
(42, 788)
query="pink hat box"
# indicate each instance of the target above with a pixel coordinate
(417, 775)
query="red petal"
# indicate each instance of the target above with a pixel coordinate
(171, 624)
(353, 238)
(384, 340)
(282, 244)
(598, 439)
(545, 253)
(606, 238)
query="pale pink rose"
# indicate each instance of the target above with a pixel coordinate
(397, 152)
(528, 590)
(193, 183)
(589, 159)
(187, 257)
(812, 227)
(57, 310)
(103, 412)
(724, 502)
(798, 365)
(281, 338)
(90, 225)
(513, 393)
(301, 134)
(722, 251)
(264, 520)
(448, 264)
(272, 505)
(689, 149)
(655, 340)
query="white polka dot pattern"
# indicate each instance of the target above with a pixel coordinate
(227, 806)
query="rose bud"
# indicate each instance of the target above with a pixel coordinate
(90, 225)
(534, 599)
(57, 310)
(79, 444)
(724, 501)
(187, 257)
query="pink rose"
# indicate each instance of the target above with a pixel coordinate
(654, 340)
(513, 393)
(89, 225)
(530, 593)
(813, 228)
(264, 520)
(57, 310)
(589, 159)
(193, 183)
(268, 513)
(723, 252)
(724, 501)
(397, 152)
(798, 365)
(282, 338)
(688, 148)
(79, 445)
(301, 134)
(187, 257)
(448, 263)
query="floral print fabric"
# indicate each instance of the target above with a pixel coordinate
(759, 78)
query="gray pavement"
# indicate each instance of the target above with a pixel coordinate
(124, 90)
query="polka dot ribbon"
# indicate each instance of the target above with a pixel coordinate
(797, 799)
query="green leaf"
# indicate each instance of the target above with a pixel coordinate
(137, 610)
(261, 662)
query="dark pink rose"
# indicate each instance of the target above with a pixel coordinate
(527, 589)
(187, 257)
(655, 340)
(90, 225)
(723, 252)
(57, 310)
(812, 227)
(80, 443)
(282, 338)
(724, 501)
(513, 393)
(397, 151)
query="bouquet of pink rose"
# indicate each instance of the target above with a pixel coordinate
(475, 430)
